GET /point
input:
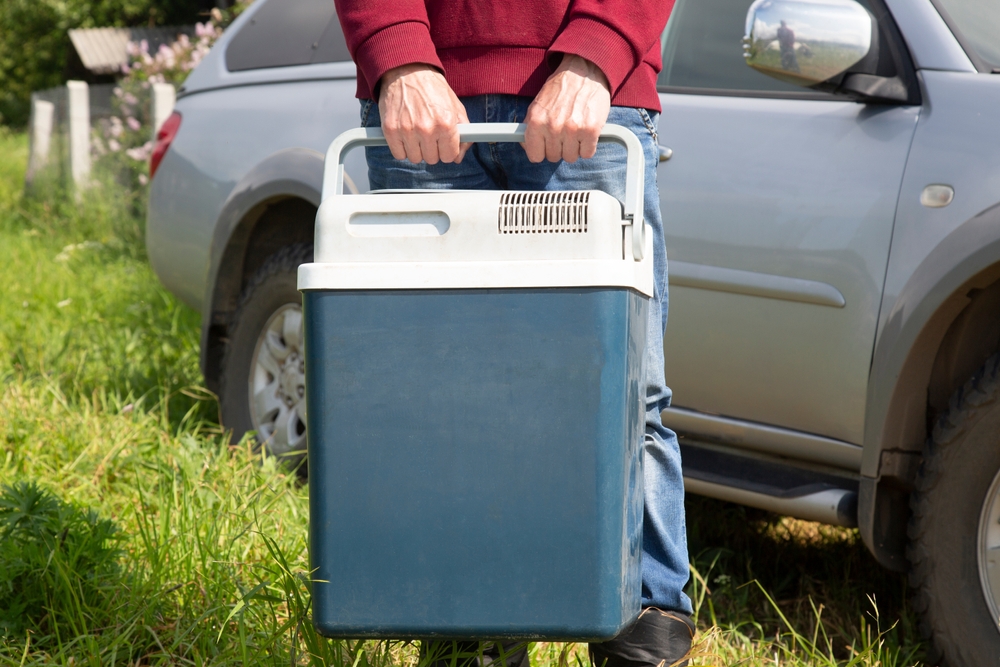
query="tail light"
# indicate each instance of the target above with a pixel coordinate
(164, 136)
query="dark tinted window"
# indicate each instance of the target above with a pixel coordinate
(288, 32)
(703, 48)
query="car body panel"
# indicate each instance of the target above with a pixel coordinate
(936, 250)
(790, 219)
(212, 73)
(293, 172)
(957, 143)
(225, 134)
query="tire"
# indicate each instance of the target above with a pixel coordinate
(262, 387)
(954, 528)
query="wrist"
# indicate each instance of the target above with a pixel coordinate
(401, 71)
(583, 67)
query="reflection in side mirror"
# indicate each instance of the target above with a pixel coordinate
(806, 42)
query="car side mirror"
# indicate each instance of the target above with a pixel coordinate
(809, 42)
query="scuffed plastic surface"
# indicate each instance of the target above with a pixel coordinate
(475, 461)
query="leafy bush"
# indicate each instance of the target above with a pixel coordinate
(56, 560)
(35, 46)
(124, 142)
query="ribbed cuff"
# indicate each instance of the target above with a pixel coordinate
(399, 44)
(600, 44)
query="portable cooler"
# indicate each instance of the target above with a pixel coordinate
(474, 373)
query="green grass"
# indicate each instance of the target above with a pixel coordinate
(102, 407)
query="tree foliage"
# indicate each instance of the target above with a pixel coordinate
(35, 45)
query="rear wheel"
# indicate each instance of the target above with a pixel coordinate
(263, 368)
(955, 527)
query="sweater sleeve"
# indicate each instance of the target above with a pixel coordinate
(383, 34)
(615, 35)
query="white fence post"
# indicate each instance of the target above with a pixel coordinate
(78, 96)
(164, 98)
(42, 118)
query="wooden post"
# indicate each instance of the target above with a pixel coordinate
(40, 138)
(164, 98)
(78, 96)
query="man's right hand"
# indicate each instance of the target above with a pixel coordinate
(420, 114)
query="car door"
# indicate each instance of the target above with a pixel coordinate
(778, 209)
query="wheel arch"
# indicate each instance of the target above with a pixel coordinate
(274, 205)
(944, 323)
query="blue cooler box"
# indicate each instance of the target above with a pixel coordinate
(475, 392)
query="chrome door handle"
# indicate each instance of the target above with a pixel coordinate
(665, 153)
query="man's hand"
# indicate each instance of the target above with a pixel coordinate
(568, 113)
(420, 113)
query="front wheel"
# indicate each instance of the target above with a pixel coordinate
(955, 527)
(263, 368)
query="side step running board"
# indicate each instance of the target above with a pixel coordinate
(770, 485)
(837, 507)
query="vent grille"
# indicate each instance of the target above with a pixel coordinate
(543, 213)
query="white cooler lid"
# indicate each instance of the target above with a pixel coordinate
(454, 239)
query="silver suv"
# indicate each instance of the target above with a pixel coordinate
(833, 224)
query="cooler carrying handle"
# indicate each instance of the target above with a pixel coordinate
(333, 171)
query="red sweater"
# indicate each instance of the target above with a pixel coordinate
(509, 46)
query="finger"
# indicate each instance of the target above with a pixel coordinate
(393, 137)
(412, 146)
(534, 139)
(429, 149)
(553, 148)
(447, 146)
(463, 146)
(396, 146)
(570, 150)
(463, 117)
(534, 146)
(588, 145)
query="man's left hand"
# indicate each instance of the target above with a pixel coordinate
(566, 117)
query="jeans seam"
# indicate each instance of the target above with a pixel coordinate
(365, 110)
(648, 122)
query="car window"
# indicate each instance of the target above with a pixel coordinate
(288, 32)
(977, 23)
(702, 47)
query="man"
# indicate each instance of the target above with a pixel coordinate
(786, 45)
(565, 68)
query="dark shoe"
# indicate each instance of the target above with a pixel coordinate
(655, 639)
(466, 654)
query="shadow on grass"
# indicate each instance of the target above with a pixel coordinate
(808, 570)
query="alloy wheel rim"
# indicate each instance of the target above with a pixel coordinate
(989, 549)
(277, 383)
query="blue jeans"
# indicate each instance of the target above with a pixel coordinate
(504, 166)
